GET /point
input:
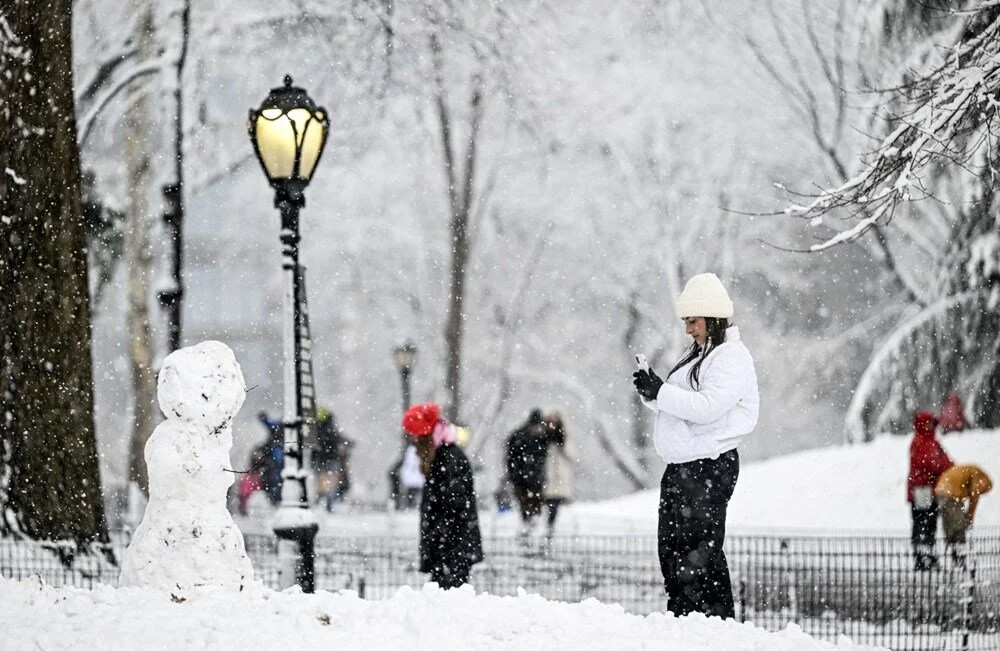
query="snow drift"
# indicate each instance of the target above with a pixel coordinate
(40, 617)
(843, 488)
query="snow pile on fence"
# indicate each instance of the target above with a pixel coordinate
(857, 487)
(41, 617)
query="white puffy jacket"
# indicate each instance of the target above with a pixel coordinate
(703, 423)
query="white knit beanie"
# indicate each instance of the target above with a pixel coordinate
(704, 295)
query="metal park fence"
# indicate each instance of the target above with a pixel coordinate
(861, 587)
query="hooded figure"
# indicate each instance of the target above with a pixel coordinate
(527, 449)
(952, 414)
(927, 461)
(450, 542)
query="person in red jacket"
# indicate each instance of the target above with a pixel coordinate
(927, 461)
(952, 417)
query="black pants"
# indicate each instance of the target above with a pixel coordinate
(448, 578)
(529, 500)
(553, 506)
(692, 527)
(923, 534)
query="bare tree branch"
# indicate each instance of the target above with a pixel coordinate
(86, 123)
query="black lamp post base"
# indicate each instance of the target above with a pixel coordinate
(305, 566)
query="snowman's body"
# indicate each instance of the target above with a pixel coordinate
(187, 537)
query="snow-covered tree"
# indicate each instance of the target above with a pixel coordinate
(127, 95)
(932, 177)
(50, 485)
(138, 258)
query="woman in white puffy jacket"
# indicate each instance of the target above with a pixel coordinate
(706, 405)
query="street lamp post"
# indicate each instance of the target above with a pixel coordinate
(405, 356)
(288, 133)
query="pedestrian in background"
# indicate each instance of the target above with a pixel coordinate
(957, 491)
(411, 480)
(927, 461)
(952, 414)
(558, 487)
(527, 447)
(273, 450)
(250, 481)
(327, 459)
(450, 542)
(707, 404)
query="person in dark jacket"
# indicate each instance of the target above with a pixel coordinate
(527, 447)
(927, 461)
(450, 542)
(274, 455)
(328, 458)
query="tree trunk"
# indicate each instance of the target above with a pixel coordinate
(138, 264)
(460, 190)
(456, 317)
(50, 485)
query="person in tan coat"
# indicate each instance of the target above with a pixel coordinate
(558, 486)
(954, 487)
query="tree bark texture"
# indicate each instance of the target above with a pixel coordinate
(138, 266)
(50, 479)
(460, 180)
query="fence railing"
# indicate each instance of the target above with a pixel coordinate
(867, 589)
(862, 587)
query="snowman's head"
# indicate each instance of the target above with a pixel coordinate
(201, 383)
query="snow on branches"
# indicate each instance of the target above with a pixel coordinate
(933, 174)
(948, 117)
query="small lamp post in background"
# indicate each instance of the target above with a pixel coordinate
(288, 133)
(405, 356)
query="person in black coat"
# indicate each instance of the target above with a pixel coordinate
(450, 541)
(527, 448)
(329, 459)
(273, 457)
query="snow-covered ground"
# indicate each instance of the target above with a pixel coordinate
(36, 617)
(860, 487)
(835, 489)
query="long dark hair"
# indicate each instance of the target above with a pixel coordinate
(716, 328)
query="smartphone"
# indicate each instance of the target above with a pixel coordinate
(641, 362)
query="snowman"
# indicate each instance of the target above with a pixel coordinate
(187, 537)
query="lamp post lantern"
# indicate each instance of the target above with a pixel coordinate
(288, 133)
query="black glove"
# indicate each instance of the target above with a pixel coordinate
(647, 383)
